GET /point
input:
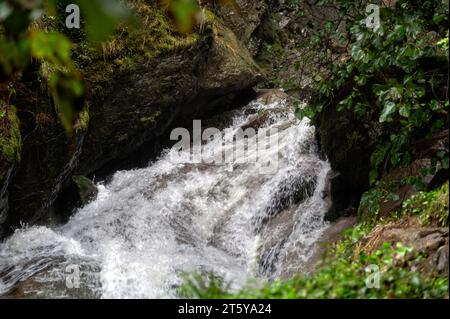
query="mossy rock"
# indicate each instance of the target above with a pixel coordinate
(347, 141)
(198, 76)
(48, 156)
(129, 47)
(139, 83)
(10, 138)
(10, 147)
(87, 190)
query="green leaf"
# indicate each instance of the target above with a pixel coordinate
(102, 16)
(389, 109)
(52, 47)
(404, 111)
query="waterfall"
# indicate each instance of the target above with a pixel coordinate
(148, 227)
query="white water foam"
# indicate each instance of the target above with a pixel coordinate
(149, 226)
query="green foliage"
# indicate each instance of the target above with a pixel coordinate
(369, 207)
(20, 44)
(343, 275)
(188, 14)
(392, 75)
(431, 207)
(346, 267)
(444, 43)
(204, 287)
(101, 16)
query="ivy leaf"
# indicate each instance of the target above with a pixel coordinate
(404, 111)
(389, 108)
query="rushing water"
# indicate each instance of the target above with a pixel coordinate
(150, 226)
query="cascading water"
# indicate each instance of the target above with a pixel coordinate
(149, 226)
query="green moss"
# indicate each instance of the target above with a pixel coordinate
(369, 207)
(10, 138)
(82, 123)
(129, 47)
(431, 207)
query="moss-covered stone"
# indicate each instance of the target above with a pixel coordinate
(198, 74)
(10, 147)
(48, 155)
(86, 189)
(10, 137)
(139, 83)
(129, 47)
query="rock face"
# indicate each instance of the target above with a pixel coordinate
(10, 147)
(133, 113)
(142, 105)
(243, 18)
(430, 242)
(348, 145)
(86, 190)
(4, 198)
(48, 156)
(78, 192)
(348, 142)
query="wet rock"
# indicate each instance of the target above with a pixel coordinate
(441, 260)
(78, 192)
(347, 143)
(4, 203)
(48, 154)
(140, 107)
(330, 236)
(270, 96)
(10, 147)
(49, 158)
(87, 190)
(431, 242)
(266, 117)
(132, 110)
(256, 121)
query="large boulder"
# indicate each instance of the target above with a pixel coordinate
(139, 106)
(140, 83)
(348, 143)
